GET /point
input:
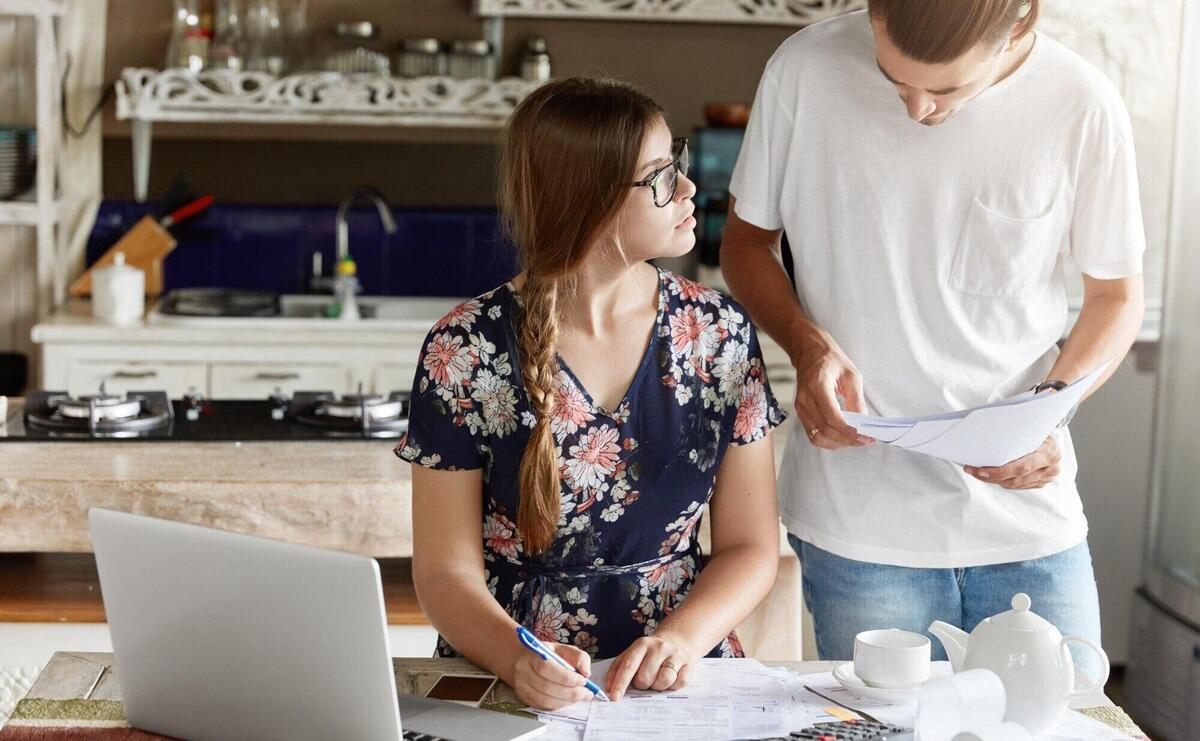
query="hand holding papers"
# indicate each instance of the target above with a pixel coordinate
(989, 435)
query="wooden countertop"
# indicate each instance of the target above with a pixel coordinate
(65, 588)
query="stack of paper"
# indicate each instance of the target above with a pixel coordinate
(726, 698)
(989, 435)
(742, 699)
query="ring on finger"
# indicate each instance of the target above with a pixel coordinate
(668, 665)
(812, 434)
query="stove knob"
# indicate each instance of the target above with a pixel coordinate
(279, 404)
(193, 402)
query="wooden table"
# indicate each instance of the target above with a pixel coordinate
(77, 696)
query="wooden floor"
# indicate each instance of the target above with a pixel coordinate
(64, 588)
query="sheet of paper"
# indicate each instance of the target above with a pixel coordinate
(664, 717)
(990, 435)
(759, 696)
(1079, 727)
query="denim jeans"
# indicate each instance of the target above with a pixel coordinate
(846, 597)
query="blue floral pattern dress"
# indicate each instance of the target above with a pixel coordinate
(635, 480)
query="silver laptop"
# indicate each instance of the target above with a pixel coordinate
(224, 636)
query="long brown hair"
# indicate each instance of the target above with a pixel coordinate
(568, 157)
(938, 31)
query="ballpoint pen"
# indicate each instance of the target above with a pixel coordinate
(531, 642)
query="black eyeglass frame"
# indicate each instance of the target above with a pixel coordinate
(679, 160)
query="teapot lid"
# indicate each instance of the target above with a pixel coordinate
(1020, 617)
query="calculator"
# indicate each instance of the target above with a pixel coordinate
(854, 730)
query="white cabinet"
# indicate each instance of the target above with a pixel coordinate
(119, 376)
(259, 381)
(390, 377)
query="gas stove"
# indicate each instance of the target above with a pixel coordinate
(151, 415)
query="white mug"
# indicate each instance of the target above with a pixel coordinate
(891, 659)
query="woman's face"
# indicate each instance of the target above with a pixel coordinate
(645, 230)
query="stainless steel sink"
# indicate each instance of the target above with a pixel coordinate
(311, 311)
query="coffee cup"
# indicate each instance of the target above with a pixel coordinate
(891, 659)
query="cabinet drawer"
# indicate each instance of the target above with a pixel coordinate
(85, 377)
(231, 381)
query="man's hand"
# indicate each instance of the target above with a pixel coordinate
(823, 372)
(1030, 472)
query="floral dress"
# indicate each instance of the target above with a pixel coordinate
(635, 480)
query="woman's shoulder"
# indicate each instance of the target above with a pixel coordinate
(690, 295)
(480, 314)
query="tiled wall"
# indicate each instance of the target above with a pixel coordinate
(447, 252)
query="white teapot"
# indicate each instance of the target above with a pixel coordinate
(1031, 658)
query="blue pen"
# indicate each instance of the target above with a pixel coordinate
(531, 642)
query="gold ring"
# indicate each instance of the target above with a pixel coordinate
(668, 665)
(813, 432)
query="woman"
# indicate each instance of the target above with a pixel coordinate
(584, 413)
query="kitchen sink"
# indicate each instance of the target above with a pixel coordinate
(311, 312)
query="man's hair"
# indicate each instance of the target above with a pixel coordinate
(938, 31)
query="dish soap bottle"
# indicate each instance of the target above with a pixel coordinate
(345, 291)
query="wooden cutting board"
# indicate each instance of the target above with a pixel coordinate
(145, 246)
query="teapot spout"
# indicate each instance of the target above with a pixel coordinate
(954, 640)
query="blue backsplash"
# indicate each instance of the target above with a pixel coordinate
(447, 252)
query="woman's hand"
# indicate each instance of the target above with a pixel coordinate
(542, 683)
(659, 662)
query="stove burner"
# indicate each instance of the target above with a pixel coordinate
(98, 415)
(353, 415)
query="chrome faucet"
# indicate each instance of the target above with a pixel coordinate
(319, 282)
(343, 228)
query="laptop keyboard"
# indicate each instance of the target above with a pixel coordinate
(415, 736)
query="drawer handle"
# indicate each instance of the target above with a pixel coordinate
(134, 374)
(268, 376)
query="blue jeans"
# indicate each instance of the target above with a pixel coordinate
(846, 597)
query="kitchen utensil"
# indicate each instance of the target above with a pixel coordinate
(144, 246)
(119, 292)
(186, 211)
(1030, 656)
(845, 676)
(891, 659)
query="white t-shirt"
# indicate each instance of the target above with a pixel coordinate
(934, 257)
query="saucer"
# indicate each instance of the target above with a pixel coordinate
(846, 677)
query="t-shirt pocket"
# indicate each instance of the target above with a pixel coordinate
(1006, 256)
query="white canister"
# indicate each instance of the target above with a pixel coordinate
(118, 292)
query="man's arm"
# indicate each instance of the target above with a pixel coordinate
(752, 263)
(1107, 326)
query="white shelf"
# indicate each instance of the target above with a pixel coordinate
(32, 7)
(24, 213)
(767, 12)
(146, 96)
(316, 98)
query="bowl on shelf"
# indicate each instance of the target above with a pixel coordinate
(727, 115)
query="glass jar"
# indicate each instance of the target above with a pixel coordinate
(264, 38)
(229, 35)
(421, 58)
(188, 45)
(356, 50)
(535, 63)
(471, 60)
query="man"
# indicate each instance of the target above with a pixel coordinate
(928, 235)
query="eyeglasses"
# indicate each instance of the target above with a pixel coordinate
(664, 181)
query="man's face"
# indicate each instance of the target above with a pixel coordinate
(933, 93)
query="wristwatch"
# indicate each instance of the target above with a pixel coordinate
(1050, 384)
(1057, 385)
